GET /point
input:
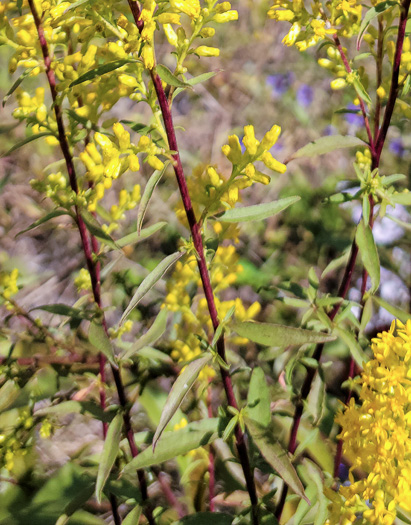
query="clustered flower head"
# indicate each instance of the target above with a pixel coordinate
(185, 299)
(308, 28)
(8, 285)
(377, 435)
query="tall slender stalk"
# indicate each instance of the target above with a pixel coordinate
(376, 144)
(195, 230)
(88, 248)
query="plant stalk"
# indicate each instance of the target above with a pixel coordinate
(88, 248)
(202, 266)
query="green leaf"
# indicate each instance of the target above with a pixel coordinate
(148, 192)
(109, 454)
(276, 456)
(156, 355)
(26, 141)
(390, 179)
(370, 14)
(179, 390)
(95, 229)
(46, 218)
(138, 236)
(402, 198)
(197, 80)
(102, 70)
(316, 476)
(76, 407)
(148, 283)
(366, 209)
(361, 91)
(393, 310)
(369, 254)
(173, 444)
(336, 263)
(206, 518)
(152, 335)
(133, 517)
(355, 348)
(167, 76)
(279, 335)
(366, 314)
(258, 399)
(8, 394)
(99, 339)
(327, 144)
(258, 211)
(17, 83)
(63, 309)
(19, 5)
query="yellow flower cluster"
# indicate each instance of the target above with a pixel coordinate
(377, 434)
(83, 281)
(117, 156)
(15, 444)
(211, 192)
(184, 297)
(8, 284)
(308, 28)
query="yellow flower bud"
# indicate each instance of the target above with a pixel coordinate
(272, 163)
(133, 162)
(171, 35)
(338, 83)
(169, 18)
(228, 16)
(206, 51)
(155, 162)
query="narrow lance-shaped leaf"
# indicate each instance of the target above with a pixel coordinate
(148, 283)
(172, 444)
(258, 211)
(326, 145)
(17, 84)
(370, 14)
(102, 70)
(178, 392)
(27, 140)
(355, 349)
(148, 192)
(393, 310)
(136, 237)
(152, 335)
(46, 218)
(258, 399)
(279, 335)
(197, 80)
(95, 229)
(167, 76)
(109, 454)
(369, 255)
(99, 339)
(8, 394)
(276, 456)
(133, 517)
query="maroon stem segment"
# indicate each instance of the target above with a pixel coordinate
(88, 248)
(202, 265)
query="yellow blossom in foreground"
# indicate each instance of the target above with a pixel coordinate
(377, 434)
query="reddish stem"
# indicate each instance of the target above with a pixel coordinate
(362, 105)
(87, 248)
(202, 266)
(392, 98)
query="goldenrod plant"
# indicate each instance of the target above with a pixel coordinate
(199, 340)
